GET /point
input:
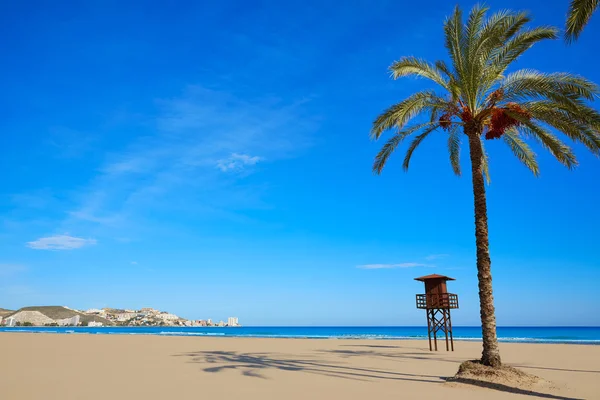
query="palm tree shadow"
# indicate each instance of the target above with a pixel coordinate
(393, 355)
(509, 389)
(438, 358)
(255, 364)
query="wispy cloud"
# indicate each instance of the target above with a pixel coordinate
(134, 263)
(60, 242)
(391, 266)
(237, 162)
(125, 166)
(436, 256)
(180, 161)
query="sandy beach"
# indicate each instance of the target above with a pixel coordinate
(47, 366)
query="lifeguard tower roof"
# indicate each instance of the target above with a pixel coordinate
(434, 276)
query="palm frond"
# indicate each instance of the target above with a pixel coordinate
(526, 83)
(414, 144)
(497, 30)
(521, 150)
(415, 66)
(558, 149)
(399, 114)
(582, 126)
(455, 44)
(580, 12)
(474, 26)
(453, 87)
(454, 149)
(510, 51)
(390, 146)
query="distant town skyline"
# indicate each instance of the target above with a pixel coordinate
(94, 317)
(213, 159)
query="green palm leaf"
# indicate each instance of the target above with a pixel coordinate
(454, 149)
(521, 150)
(391, 145)
(399, 114)
(414, 144)
(580, 12)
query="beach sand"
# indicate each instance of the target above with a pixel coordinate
(50, 366)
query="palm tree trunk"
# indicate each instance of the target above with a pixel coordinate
(491, 352)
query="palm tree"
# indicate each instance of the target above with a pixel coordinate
(478, 102)
(580, 12)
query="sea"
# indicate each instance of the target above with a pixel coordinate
(572, 335)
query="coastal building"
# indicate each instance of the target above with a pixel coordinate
(73, 321)
(232, 321)
(94, 324)
(95, 311)
(0, 320)
(126, 316)
(221, 323)
(10, 321)
(167, 317)
(209, 322)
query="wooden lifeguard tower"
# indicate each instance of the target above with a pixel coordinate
(438, 303)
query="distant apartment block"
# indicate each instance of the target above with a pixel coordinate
(232, 321)
(167, 317)
(126, 316)
(94, 324)
(73, 321)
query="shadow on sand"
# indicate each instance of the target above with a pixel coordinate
(252, 364)
(255, 364)
(509, 389)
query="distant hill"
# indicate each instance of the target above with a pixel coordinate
(60, 312)
(4, 312)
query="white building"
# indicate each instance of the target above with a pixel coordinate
(10, 321)
(95, 311)
(73, 321)
(232, 321)
(167, 317)
(94, 324)
(126, 316)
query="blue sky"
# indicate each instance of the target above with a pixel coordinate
(213, 159)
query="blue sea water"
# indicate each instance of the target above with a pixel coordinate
(576, 335)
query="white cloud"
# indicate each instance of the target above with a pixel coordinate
(237, 162)
(391, 266)
(436, 256)
(60, 242)
(134, 263)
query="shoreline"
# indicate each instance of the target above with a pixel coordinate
(123, 367)
(188, 332)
